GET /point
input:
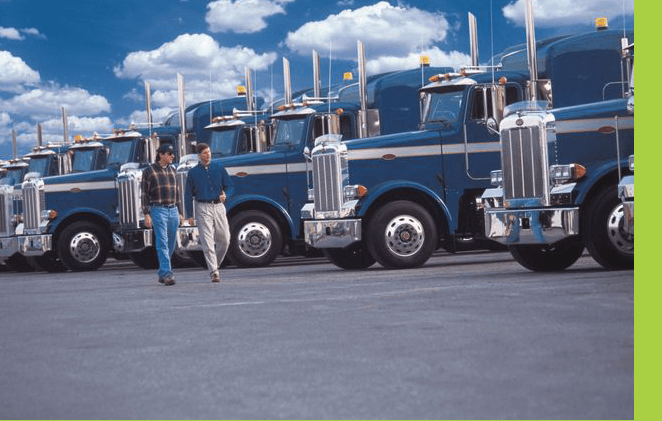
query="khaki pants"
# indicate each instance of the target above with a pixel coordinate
(214, 233)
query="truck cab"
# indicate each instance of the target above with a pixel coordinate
(395, 199)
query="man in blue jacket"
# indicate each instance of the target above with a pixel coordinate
(209, 184)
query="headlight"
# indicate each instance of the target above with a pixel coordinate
(563, 173)
(496, 178)
(48, 215)
(356, 191)
(311, 195)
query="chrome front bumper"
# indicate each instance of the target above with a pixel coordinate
(336, 233)
(8, 246)
(626, 194)
(130, 241)
(531, 226)
(34, 245)
(188, 238)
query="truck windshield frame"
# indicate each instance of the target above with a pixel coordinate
(83, 160)
(223, 142)
(39, 165)
(289, 132)
(444, 106)
(120, 152)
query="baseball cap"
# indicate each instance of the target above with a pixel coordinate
(165, 148)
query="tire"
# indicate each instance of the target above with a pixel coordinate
(402, 235)
(603, 234)
(256, 239)
(353, 257)
(19, 263)
(548, 258)
(146, 258)
(198, 257)
(83, 246)
(48, 262)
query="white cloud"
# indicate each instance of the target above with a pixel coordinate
(196, 57)
(242, 16)
(10, 33)
(34, 32)
(15, 73)
(386, 30)
(5, 121)
(438, 58)
(568, 12)
(140, 116)
(42, 103)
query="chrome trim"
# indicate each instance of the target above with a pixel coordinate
(8, 246)
(188, 238)
(626, 194)
(127, 241)
(333, 233)
(34, 245)
(531, 226)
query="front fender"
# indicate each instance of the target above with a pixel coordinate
(254, 201)
(71, 213)
(595, 175)
(382, 189)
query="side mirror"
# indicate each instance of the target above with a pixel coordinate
(492, 125)
(306, 154)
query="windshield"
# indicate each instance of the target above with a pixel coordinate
(444, 106)
(13, 177)
(83, 160)
(39, 165)
(222, 142)
(120, 152)
(289, 133)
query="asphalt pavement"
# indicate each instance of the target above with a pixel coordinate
(467, 336)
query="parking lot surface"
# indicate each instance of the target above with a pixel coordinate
(471, 335)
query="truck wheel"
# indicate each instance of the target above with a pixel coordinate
(255, 240)
(603, 233)
(48, 262)
(548, 258)
(83, 246)
(402, 235)
(351, 257)
(145, 258)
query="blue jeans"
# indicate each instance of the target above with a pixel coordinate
(164, 222)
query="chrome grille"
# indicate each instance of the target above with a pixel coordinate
(181, 183)
(129, 198)
(33, 203)
(523, 155)
(6, 202)
(327, 181)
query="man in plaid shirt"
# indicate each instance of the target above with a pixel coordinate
(159, 201)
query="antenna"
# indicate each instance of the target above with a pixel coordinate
(148, 104)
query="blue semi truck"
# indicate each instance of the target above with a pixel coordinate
(270, 188)
(395, 199)
(69, 219)
(558, 191)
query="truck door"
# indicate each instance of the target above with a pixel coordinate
(481, 145)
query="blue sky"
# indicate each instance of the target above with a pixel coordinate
(93, 57)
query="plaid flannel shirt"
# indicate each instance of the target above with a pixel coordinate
(159, 186)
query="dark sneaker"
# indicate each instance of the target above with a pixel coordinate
(169, 280)
(216, 278)
(161, 280)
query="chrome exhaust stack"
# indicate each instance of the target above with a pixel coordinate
(14, 145)
(182, 115)
(369, 125)
(65, 125)
(250, 107)
(473, 40)
(40, 139)
(148, 106)
(287, 82)
(317, 79)
(531, 52)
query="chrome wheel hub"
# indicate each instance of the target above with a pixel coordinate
(85, 247)
(619, 238)
(254, 239)
(404, 235)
